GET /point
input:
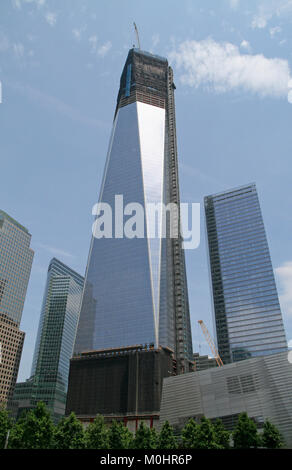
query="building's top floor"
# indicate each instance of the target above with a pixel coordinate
(149, 54)
(58, 268)
(5, 216)
(231, 193)
(143, 73)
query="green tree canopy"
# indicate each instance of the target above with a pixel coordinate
(143, 437)
(97, 435)
(154, 438)
(16, 436)
(245, 434)
(205, 437)
(271, 437)
(5, 425)
(189, 434)
(34, 430)
(119, 436)
(222, 437)
(166, 438)
(69, 433)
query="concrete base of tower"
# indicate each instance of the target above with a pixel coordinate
(123, 384)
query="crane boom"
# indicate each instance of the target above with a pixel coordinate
(137, 34)
(211, 343)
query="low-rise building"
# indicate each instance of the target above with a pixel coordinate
(262, 387)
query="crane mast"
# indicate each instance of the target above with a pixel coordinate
(137, 35)
(211, 343)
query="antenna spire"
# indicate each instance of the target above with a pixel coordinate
(137, 34)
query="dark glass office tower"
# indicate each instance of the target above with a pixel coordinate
(54, 344)
(136, 289)
(247, 313)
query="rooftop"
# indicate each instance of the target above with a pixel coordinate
(149, 54)
(232, 190)
(4, 215)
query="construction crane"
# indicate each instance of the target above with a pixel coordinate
(211, 343)
(137, 34)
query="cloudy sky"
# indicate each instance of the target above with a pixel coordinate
(60, 67)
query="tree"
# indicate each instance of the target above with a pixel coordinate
(16, 436)
(97, 435)
(205, 437)
(245, 434)
(143, 437)
(271, 437)
(166, 438)
(222, 436)
(119, 436)
(153, 439)
(69, 433)
(5, 425)
(189, 434)
(34, 430)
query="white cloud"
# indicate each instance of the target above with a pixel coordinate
(221, 67)
(284, 275)
(275, 30)
(18, 3)
(234, 4)
(101, 50)
(93, 43)
(245, 45)
(77, 34)
(104, 49)
(18, 50)
(269, 9)
(51, 18)
(155, 39)
(4, 42)
(259, 22)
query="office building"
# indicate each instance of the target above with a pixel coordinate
(135, 288)
(54, 344)
(16, 258)
(247, 314)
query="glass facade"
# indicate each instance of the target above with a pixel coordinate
(247, 313)
(55, 341)
(135, 288)
(16, 258)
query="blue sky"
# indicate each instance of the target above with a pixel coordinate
(60, 67)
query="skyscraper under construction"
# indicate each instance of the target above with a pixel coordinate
(135, 299)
